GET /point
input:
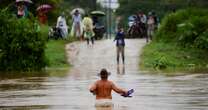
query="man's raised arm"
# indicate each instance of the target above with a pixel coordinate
(118, 90)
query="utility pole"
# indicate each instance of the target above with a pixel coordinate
(110, 15)
(109, 6)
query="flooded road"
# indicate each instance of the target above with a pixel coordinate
(70, 91)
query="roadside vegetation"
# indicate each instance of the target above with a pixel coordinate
(24, 45)
(56, 53)
(21, 44)
(55, 50)
(180, 44)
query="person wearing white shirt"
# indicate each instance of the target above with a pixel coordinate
(77, 26)
(61, 24)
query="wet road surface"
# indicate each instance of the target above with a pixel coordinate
(69, 91)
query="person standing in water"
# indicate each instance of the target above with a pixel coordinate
(102, 89)
(120, 44)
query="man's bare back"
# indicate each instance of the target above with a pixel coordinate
(103, 88)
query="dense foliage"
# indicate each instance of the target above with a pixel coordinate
(188, 28)
(21, 44)
(180, 44)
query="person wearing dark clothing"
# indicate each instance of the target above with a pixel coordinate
(156, 20)
(120, 44)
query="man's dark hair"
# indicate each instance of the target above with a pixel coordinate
(104, 74)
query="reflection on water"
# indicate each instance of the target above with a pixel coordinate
(31, 107)
(120, 69)
(47, 73)
(65, 90)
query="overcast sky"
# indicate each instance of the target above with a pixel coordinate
(105, 3)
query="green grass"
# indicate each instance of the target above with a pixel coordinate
(55, 51)
(171, 59)
(56, 54)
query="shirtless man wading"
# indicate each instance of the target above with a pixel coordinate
(102, 89)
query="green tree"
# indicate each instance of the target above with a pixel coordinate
(21, 44)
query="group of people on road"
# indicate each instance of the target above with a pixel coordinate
(84, 28)
(144, 24)
(81, 28)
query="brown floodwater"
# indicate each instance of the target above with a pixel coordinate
(68, 89)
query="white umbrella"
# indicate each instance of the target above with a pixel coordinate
(81, 11)
(27, 1)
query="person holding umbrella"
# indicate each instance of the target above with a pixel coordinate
(22, 10)
(42, 11)
(95, 15)
(99, 28)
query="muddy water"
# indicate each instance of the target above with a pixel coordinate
(69, 91)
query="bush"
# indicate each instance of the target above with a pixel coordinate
(154, 56)
(21, 44)
(169, 57)
(202, 40)
(186, 27)
(160, 63)
(180, 44)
